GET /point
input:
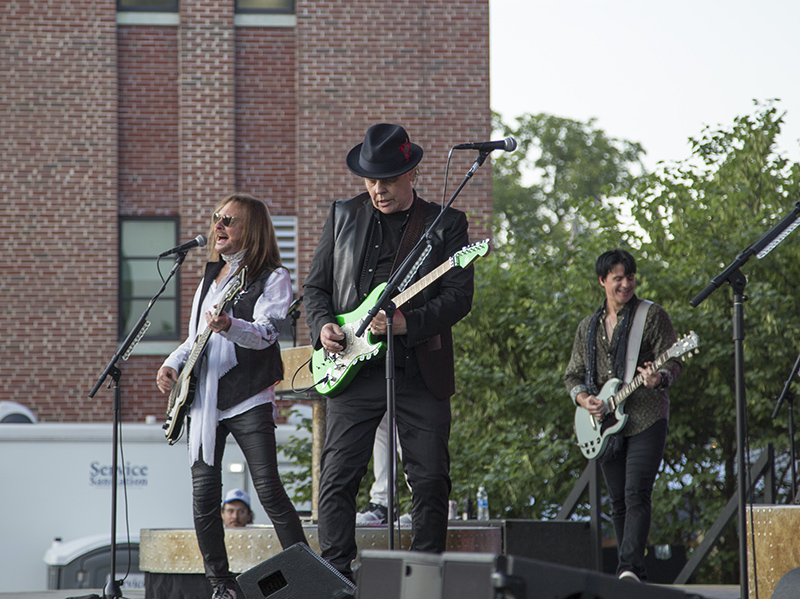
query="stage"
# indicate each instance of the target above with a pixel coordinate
(706, 592)
(170, 558)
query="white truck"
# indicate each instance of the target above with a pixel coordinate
(57, 480)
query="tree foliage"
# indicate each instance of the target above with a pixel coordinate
(512, 425)
(512, 418)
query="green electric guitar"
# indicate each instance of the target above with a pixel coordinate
(332, 372)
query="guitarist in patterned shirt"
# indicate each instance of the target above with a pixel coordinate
(236, 377)
(633, 458)
(363, 240)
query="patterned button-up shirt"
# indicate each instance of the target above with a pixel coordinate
(644, 406)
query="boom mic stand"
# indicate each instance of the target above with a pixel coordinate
(112, 587)
(294, 313)
(398, 281)
(734, 277)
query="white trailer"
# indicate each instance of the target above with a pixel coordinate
(57, 480)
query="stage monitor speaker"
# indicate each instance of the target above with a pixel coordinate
(565, 542)
(296, 573)
(788, 586)
(399, 575)
(487, 576)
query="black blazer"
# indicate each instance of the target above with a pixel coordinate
(335, 284)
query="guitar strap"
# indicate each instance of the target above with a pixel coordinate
(635, 339)
(412, 232)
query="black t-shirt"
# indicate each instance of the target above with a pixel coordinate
(392, 227)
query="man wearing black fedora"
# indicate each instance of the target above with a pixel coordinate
(364, 239)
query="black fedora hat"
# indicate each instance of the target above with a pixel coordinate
(385, 153)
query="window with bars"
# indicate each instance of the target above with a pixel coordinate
(284, 7)
(148, 5)
(139, 278)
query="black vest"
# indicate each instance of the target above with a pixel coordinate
(256, 369)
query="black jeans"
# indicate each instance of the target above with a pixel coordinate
(423, 425)
(630, 473)
(254, 431)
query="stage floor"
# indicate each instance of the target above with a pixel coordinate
(704, 591)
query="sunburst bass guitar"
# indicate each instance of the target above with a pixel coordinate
(332, 372)
(182, 393)
(593, 435)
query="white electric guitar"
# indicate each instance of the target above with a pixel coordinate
(593, 434)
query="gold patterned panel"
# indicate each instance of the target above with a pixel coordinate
(774, 540)
(174, 551)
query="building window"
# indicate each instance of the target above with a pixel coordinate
(148, 5)
(284, 7)
(140, 238)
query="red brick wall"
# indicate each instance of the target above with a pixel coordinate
(153, 120)
(58, 178)
(149, 182)
(422, 64)
(266, 116)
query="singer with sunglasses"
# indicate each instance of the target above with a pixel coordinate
(235, 383)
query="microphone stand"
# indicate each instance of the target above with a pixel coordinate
(789, 396)
(294, 313)
(734, 277)
(112, 587)
(384, 303)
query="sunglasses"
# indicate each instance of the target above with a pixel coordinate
(227, 219)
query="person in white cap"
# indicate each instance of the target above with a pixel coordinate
(236, 510)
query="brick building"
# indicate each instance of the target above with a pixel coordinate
(123, 128)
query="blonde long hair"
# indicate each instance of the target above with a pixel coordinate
(258, 236)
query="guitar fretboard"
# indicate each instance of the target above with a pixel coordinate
(200, 342)
(402, 298)
(623, 393)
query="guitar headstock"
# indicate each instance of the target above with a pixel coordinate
(684, 347)
(235, 286)
(468, 253)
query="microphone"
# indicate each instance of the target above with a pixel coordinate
(199, 241)
(509, 144)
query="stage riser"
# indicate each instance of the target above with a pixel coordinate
(175, 551)
(773, 539)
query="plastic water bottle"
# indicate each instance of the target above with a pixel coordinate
(483, 503)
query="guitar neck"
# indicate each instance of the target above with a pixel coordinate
(623, 393)
(201, 340)
(401, 298)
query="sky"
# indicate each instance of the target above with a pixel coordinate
(648, 71)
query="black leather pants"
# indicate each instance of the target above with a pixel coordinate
(254, 432)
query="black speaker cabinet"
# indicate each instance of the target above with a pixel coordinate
(560, 542)
(485, 576)
(296, 573)
(399, 575)
(461, 575)
(788, 586)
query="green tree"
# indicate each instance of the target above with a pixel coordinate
(572, 165)
(512, 427)
(511, 423)
(699, 215)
